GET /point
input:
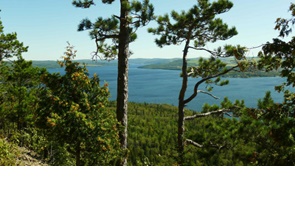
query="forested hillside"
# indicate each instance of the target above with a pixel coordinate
(153, 141)
(68, 119)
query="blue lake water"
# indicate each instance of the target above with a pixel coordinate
(162, 86)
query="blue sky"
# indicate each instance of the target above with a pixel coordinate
(47, 25)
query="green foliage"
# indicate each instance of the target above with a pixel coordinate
(199, 25)
(194, 25)
(18, 102)
(152, 134)
(280, 54)
(120, 30)
(263, 136)
(262, 139)
(272, 131)
(83, 4)
(248, 140)
(8, 153)
(77, 125)
(274, 141)
(73, 111)
(19, 81)
(283, 25)
(13, 155)
(9, 45)
(136, 14)
(218, 137)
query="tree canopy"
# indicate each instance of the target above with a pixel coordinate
(73, 111)
(199, 25)
(67, 119)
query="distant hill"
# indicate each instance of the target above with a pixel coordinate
(158, 63)
(54, 64)
(176, 64)
(137, 61)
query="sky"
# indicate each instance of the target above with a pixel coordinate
(47, 25)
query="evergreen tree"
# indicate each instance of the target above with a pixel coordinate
(9, 45)
(120, 30)
(18, 83)
(275, 139)
(279, 55)
(195, 28)
(73, 111)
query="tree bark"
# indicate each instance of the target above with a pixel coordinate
(122, 81)
(181, 105)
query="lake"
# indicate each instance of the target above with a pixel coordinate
(162, 86)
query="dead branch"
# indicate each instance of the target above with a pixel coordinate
(220, 111)
(213, 53)
(255, 47)
(193, 143)
(208, 93)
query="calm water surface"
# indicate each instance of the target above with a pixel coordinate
(162, 86)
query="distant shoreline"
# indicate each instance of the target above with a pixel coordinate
(161, 64)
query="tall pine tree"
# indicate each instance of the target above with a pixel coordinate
(120, 30)
(195, 28)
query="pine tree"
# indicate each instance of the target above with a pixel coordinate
(9, 45)
(18, 83)
(195, 28)
(120, 31)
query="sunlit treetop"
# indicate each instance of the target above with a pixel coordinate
(138, 14)
(9, 45)
(198, 24)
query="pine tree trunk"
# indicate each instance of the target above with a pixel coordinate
(181, 105)
(122, 83)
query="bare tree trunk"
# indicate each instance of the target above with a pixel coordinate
(122, 83)
(181, 105)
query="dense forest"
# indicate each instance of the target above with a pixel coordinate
(53, 119)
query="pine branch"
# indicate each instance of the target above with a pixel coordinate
(256, 47)
(208, 93)
(103, 37)
(220, 111)
(205, 79)
(83, 4)
(117, 17)
(213, 53)
(193, 143)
